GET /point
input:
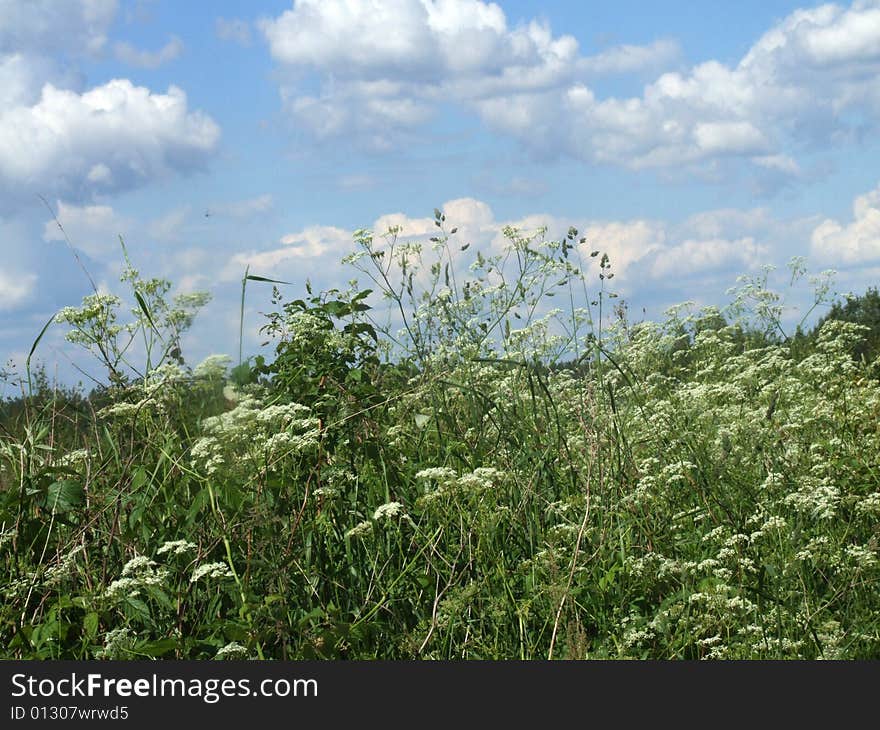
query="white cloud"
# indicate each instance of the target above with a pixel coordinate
(298, 250)
(634, 59)
(127, 53)
(15, 288)
(94, 229)
(376, 83)
(639, 250)
(233, 29)
(799, 85)
(78, 26)
(22, 76)
(700, 256)
(114, 136)
(851, 243)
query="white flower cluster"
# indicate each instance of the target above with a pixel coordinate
(251, 436)
(138, 573)
(389, 511)
(448, 482)
(63, 569)
(359, 531)
(211, 571)
(176, 547)
(117, 644)
(213, 367)
(233, 650)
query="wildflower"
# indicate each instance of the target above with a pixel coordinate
(233, 650)
(211, 570)
(362, 529)
(137, 564)
(439, 473)
(176, 547)
(388, 511)
(212, 367)
(117, 643)
(138, 573)
(58, 572)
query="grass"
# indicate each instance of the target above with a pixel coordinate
(448, 466)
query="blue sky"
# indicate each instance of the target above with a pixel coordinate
(692, 142)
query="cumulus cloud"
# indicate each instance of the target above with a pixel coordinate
(376, 83)
(700, 256)
(127, 53)
(33, 33)
(639, 249)
(799, 85)
(112, 137)
(793, 87)
(851, 243)
(59, 138)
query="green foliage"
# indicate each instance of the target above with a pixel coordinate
(863, 310)
(468, 472)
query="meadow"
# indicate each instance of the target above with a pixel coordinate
(466, 455)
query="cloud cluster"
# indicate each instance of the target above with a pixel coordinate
(58, 139)
(800, 85)
(640, 250)
(851, 243)
(376, 83)
(112, 137)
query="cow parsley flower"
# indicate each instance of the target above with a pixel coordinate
(211, 570)
(176, 547)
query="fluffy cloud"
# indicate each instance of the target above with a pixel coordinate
(638, 249)
(127, 53)
(633, 59)
(59, 139)
(793, 88)
(851, 243)
(799, 85)
(376, 83)
(700, 256)
(112, 137)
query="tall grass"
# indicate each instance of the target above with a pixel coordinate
(448, 466)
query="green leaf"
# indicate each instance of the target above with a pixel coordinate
(143, 305)
(90, 624)
(139, 607)
(159, 647)
(65, 495)
(254, 277)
